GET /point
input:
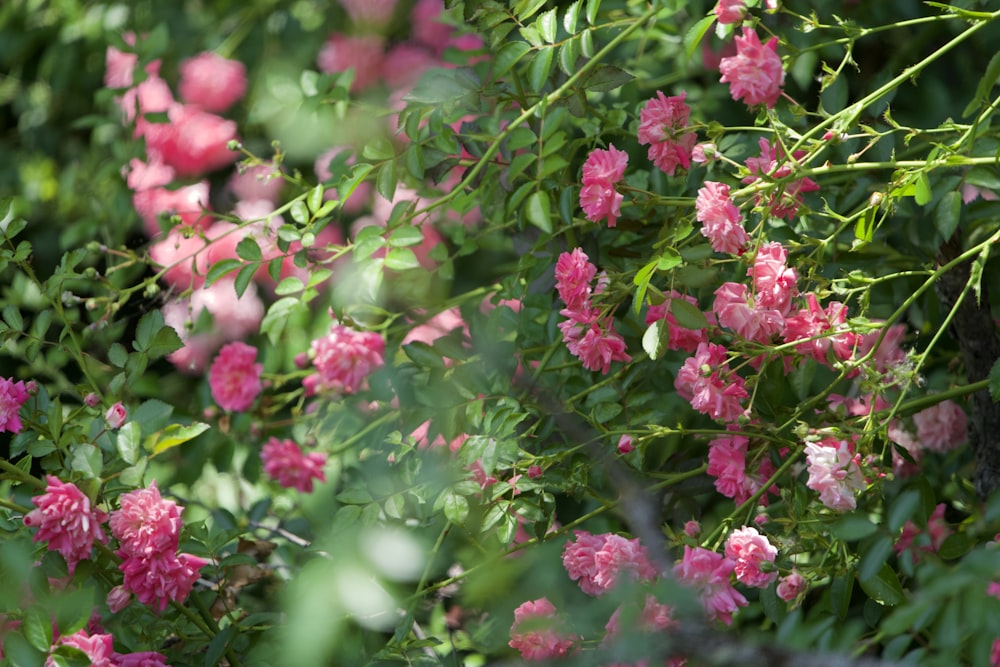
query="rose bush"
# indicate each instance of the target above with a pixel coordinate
(599, 332)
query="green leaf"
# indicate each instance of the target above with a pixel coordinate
(386, 180)
(874, 553)
(221, 268)
(697, 32)
(538, 210)
(949, 210)
(995, 382)
(12, 316)
(86, 459)
(423, 355)
(173, 435)
(525, 9)
(986, 83)
(922, 189)
(521, 137)
(572, 16)
(955, 546)
(687, 314)
(248, 250)
(641, 281)
(852, 527)
(540, 68)
(128, 441)
(606, 78)
(379, 148)
(864, 228)
(243, 279)
(217, 647)
(569, 52)
(592, 7)
(152, 414)
(277, 316)
(651, 339)
(289, 285)
(37, 627)
(401, 259)
(884, 587)
(315, 199)
(456, 508)
(548, 25)
(117, 355)
(902, 508)
(669, 259)
(406, 235)
(299, 212)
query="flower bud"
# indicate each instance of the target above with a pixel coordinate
(115, 416)
(625, 444)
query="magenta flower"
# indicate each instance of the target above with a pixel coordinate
(785, 198)
(212, 82)
(362, 54)
(537, 631)
(596, 344)
(749, 549)
(285, 462)
(234, 377)
(937, 532)
(12, 397)
(601, 171)
(98, 648)
(736, 310)
(791, 586)
(143, 659)
(755, 74)
(193, 142)
(598, 561)
(707, 383)
(161, 578)
(941, 427)
(66, 520)
(825, 327)
(146, 523)
(774, 282)
(834, 473)
(662, 126)
(344, 359)
(573, 277)
(721, 221)
(708, 572)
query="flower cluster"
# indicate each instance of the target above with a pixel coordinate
(755, 74)
(785, 198)
(707, 383)
(147, 527)
(67, 520)
(727, 462)
(753, 555)
(721, 221)
(834, 472)
(538, 631)
(589, 335)
(709, 573)
(602, 170)
(662, 126)
(597, 562)
(99, 649)
(343, 360)
(12, 397)
(285, 462)
(235, 377)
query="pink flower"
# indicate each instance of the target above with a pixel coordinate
(601, 171)
(118, 67)
(162, 578)
(151, 96)
(662, 125)
(67, 521)
(12, 397)
(774, 283)
(890, 354)
(735, 310)
(791, 586)
(193, 142)
(826, 328)
(537, 631)
(212, 82)
(834, 473)
(692, 528)
(720, 219)
(285, 462)
(598, 561)
(261, 181)
(145, 175)
(344, 359)
(704, 152)
(708, 572)
(941, 427)
(730, 11)
(188, 202)
(118, 598)
(749, 549)
(573, 277)
(144, 659)
(706, 381)
(115, 416)
(625, 444)
(98, 648)
(785, 198)
(361, 54)
(427, 27)
(146, 524)
(678, 337)
(995, 653)
(937, 532)
(755, 74)
(234, 377)
(595, 344)
(372, 15)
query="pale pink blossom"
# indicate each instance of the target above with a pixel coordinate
(12, 396)
(99, 648)
(602, 170)
(678, 337)
(899, 435)
(750, 550)
(427, 27)
(937, 532)
(721, 222)
(141, 175)
(755, 74)
(730, 11)
(405, 63)
(115, 416)
(344, 358)
(708, 572)
(285, 462)
(193, 142)
(663, 127)
(212, 82)
(704, 152)
(574, 274)
(791, 586)
(941, 427)
(826, 328)
(735, 310)
(598, 562)
(774, 283)
(66, 519)
(537, 631)
(834, 473)
(361, 54)
(995, 653)
(147, 524)
(655, 617)
(188, 202)
(785, 198)
(234, 377)
(261, 181)
(118, 67)
(151, 96)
